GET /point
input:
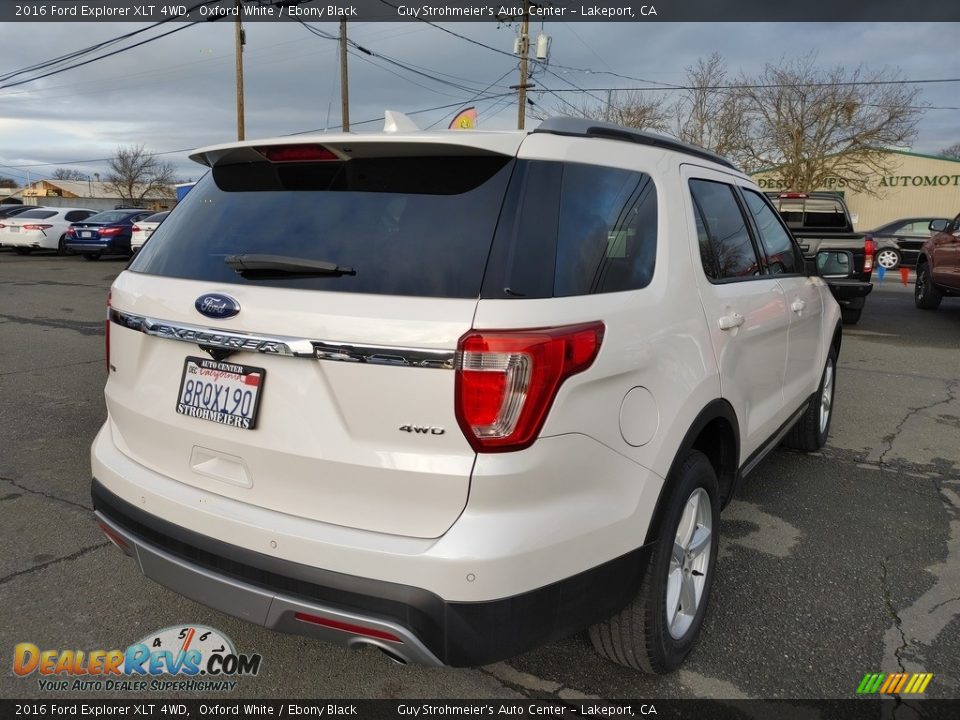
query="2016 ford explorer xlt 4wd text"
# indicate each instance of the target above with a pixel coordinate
(456, 394)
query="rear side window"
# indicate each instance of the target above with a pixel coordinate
(415, 226)
(782, 258)
(726, 250)
(574, 229)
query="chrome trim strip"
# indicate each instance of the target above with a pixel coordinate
(286, 346)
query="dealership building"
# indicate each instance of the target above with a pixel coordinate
(915, 186)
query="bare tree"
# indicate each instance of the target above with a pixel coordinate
(630, 108)
(711, 115)
(68, 174)
(951, 152)
(136, 174)
(816, 124)
(7, 182)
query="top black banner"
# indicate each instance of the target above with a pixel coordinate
(469, 11)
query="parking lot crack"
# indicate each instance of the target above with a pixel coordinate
(892, 611)
(94, 327)
(888, 440)
(68, 558)
(49, 496)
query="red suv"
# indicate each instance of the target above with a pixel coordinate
(938, 267)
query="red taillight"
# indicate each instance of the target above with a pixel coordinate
(107, 332)
(36, 227)
(71, 232)
(136, 228)
(346, 627)
(296, 153)
(869, 248)
(110, 231)
(507, 380)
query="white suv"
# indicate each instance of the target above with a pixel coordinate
(455, 394)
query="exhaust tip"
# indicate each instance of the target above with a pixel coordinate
(360, 644)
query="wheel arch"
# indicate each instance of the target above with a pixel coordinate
(715, 432)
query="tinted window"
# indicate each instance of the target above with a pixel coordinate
(823, 213)
(573, 229)
(37, 214)
(75, 215)
(776, 242)
(157, 217)
(607, 236)
(726, 250)
(409, 226)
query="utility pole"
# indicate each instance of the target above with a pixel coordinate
(344, 86)
(240, 41)
(524, 50)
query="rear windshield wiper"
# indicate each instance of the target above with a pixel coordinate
(250, 265)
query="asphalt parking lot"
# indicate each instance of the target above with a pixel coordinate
(832, 565)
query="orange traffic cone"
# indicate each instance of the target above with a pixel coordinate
(904, 275)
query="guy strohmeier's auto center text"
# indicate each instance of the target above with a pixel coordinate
(98, 11)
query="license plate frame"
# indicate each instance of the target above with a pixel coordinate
(221, 375)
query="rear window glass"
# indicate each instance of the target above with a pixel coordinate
(811, 212)
(156, 217)
(37, 214)
(417, 226)
(110, 216)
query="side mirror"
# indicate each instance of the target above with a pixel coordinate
(835, 264)
(938, 225)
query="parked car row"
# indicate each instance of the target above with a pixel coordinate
(89, 233)
(900, 242)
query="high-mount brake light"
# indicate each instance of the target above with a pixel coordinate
(506, 380)
(296, 153)
(792, 195)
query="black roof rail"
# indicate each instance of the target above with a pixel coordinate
(582, 127)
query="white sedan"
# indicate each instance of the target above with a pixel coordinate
(143, 229)
(43, 228)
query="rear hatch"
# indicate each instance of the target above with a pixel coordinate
(360, 263)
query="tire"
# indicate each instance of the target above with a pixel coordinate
(642, 636)
(810, 432)
(62, 246)
(850, 316)
(91, 256)
(888, 258)
(926, 295)
(22, 250)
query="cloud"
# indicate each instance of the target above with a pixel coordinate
(178, 92)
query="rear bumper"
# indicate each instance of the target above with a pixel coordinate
(408, 623)
(98, 246)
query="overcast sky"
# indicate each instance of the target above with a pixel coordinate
(178, 92)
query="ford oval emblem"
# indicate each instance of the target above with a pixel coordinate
(217, 306)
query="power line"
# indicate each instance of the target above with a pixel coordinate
(98, 46)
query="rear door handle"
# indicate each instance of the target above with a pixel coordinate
(729, 322)
(798, 305)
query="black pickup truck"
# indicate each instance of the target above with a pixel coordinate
(820, 222)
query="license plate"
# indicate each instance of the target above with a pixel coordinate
(86, 234)
(14, 228)
(221, 392)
